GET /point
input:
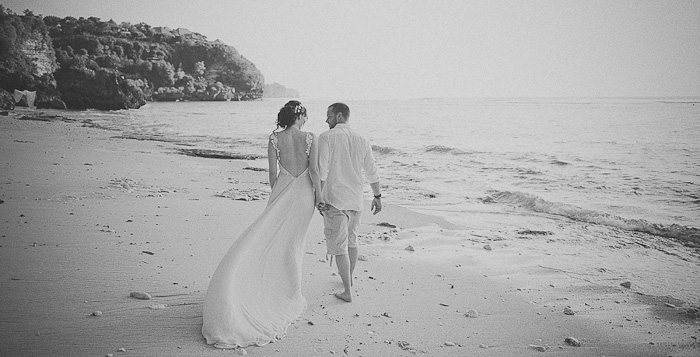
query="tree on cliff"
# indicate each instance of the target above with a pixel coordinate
(140, 52)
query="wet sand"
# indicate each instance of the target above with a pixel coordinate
(89, 216)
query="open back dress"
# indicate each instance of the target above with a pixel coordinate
(255, 293)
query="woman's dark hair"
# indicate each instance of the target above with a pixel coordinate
(289, 113)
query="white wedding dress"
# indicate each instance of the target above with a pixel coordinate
(255, 293)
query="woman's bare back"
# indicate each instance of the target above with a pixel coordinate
(293, 147)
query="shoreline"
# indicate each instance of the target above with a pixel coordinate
(90, 217)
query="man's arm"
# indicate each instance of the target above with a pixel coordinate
(377, 201)
(372, 174)
(323, 162)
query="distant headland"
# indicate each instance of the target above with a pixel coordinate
(89, 63)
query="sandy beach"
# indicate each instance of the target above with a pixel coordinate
(89, 217)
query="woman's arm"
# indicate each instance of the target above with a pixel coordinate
(272, 162)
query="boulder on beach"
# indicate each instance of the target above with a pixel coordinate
(140, 295)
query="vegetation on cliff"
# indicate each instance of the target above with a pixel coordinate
(105, 65)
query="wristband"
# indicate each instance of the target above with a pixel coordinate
(378, 196)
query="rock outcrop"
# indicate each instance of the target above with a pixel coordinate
(7, 102)
(276, 90)
(27, 59)
(88, 63)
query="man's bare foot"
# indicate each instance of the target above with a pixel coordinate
(345, 296)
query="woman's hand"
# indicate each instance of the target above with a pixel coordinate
(320, 206)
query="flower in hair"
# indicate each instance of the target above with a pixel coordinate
(299, 109)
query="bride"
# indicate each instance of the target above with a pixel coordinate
(255, 293)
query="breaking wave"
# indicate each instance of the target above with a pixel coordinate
(444, 150)
(538, 204)
(384, 149)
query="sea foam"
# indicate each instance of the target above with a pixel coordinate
(538, 204)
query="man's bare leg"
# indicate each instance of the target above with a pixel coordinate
(343, 263)
(352, 255)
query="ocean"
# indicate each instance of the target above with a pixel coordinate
(628, 163)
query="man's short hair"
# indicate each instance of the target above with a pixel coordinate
(340, 108)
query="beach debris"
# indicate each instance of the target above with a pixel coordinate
(626, 284)
(386, 224)
(410, 248)
(35, 118)
(404, 345)
(157, 306)
(2, 201)
(310, 323)
(128, 185)
(242, 351)
(109, 355)
(253, 168)
(568, 311)
(484, 346)
(362, 257)
(96, 313)
(385, 236)
(140, 295)
(147, 252)
(443, 304)
(121, 349)
(218, 154)
(386, 314)
(253, 194)
(573, 341)
(449, 344)
(535, 233)
(670, 305)
(472, 313)
(488, 247)
(539, 348)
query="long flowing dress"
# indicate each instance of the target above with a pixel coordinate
(255, 293)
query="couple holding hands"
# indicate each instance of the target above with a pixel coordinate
(255, 293)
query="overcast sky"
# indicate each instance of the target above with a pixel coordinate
(415, 49)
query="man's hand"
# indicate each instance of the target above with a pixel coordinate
(376, 206)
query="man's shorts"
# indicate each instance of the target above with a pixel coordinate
(340, 228)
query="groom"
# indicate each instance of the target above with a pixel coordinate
(343, 155)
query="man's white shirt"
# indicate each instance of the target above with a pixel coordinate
(342, 175)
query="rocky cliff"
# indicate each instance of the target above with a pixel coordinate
(90, 63)
(276, 90)
(27, 60)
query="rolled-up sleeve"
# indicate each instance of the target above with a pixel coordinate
(370, 167)
(324, 155)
